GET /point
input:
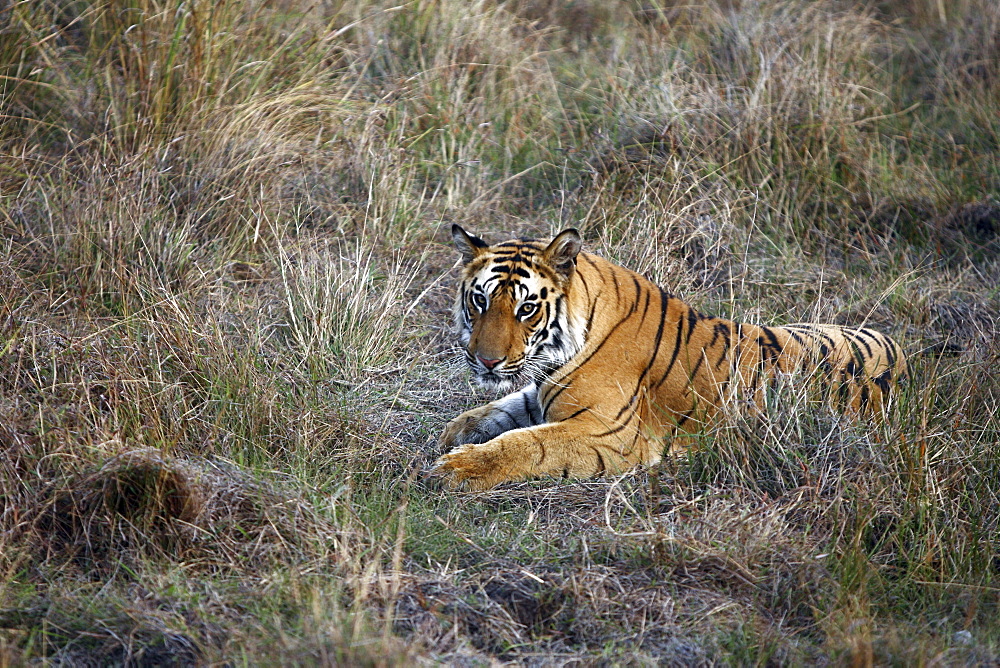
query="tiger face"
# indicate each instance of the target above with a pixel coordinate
(511, 312)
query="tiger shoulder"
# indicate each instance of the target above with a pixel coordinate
(604, 370)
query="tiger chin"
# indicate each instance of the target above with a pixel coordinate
(612, 370)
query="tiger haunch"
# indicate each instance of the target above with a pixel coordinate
(611, 367)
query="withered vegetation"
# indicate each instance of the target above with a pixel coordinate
(225, 289)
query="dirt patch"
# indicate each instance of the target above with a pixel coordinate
(569, 612)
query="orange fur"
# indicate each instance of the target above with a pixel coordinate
(613, 367)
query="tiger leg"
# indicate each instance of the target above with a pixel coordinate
(516, 410)
(571, 448)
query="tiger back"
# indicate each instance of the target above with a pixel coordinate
(604, 370)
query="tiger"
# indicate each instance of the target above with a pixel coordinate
(603, 368)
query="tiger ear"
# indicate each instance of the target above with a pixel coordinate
(470, 245)
(561, 253)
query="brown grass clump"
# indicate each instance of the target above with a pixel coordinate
(142, 504)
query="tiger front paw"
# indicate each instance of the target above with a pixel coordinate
(466, 428)
(474, 467)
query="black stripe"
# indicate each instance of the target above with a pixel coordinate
(888, 347)
(677, 349)
(600, 460)
(824, 360)
(825, 351)
(772, 340)
(645, 310)
(807, 352)
(885, 344)
(701, 359)
(635, 439)
(617, 429)
(570, 417)
(516, 245)
(756, 377)
(738, 348)
(693, 318)
(722, 328)
(664, 299)
(764, 351)
(593, 311)
(563, 386)
(715, 337)
(798, 339)
(883, 380)
(854, 335)
(817, 332)
(632, 404)
(686, 416)
(857, 358)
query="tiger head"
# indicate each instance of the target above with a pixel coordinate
(512, 314)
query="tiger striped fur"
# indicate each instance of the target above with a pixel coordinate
(610, 367)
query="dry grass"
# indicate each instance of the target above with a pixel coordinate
(225, 348)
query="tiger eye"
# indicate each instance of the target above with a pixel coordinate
(527, 310)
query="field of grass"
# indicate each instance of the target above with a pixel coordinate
(225, 347)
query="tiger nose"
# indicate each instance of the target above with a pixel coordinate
(489, 364)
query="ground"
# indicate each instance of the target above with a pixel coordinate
(226, 280)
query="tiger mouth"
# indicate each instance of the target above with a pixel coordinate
(528, 370)
(503, 380)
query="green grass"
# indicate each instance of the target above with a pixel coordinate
(225, 349)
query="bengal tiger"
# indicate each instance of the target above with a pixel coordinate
(610, 366)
